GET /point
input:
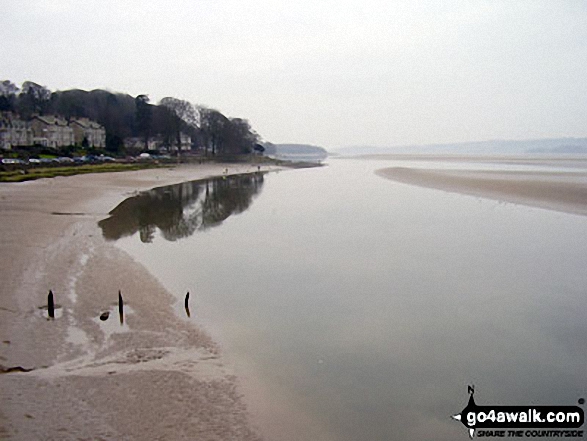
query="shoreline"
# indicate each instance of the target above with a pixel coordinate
(559, 191)
(155, 377)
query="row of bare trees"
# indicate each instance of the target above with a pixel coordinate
(215, 132)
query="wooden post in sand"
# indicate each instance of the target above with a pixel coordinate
(187, 306)
(51, 305)
(120, 308)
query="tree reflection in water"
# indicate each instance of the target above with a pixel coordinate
(178, 211)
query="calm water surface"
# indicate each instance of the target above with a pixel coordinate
(363, 307)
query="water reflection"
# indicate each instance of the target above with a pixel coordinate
(178, 211)
(363, 308)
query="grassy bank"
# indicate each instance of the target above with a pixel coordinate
(20, 175)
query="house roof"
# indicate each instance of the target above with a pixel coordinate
(9, 120)
(51, 120)
(85, 123)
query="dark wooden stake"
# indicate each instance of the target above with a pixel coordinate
(51, 305)
(187, 306)
(120, 308)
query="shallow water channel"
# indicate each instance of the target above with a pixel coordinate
(358, 308)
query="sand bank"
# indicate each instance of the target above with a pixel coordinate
(559, 191)
(158, 376)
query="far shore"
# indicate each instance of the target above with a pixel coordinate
(559, 191)
(77, 377)
(576, 161)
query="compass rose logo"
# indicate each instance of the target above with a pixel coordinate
(549, 420)
(462, 416)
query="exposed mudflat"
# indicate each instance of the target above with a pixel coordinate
(157, 376)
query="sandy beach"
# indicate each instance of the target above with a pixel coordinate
(552, 190)
(157, 377)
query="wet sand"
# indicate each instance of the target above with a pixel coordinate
(559, 191)
(158, 376)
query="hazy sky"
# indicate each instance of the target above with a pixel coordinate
(332, 73)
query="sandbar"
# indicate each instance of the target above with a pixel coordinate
(553, 190)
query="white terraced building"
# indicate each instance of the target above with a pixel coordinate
(52, 131)
(84, 128)
(14, 132)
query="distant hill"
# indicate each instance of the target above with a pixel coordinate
(562, 149)
(494, 147)
(301, 152)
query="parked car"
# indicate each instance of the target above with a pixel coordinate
(35, 161)
(12, 161)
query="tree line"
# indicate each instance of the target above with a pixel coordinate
(124, 116)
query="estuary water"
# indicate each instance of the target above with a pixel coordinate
(355, 308)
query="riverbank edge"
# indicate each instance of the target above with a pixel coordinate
(71, 377)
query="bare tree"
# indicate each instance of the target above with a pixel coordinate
(8, 92)
(183, 109)
(8, 88)
(186, 117)
(242, 137)
(212, 124)
(143, 117)
(33, 98)
(39, 92)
